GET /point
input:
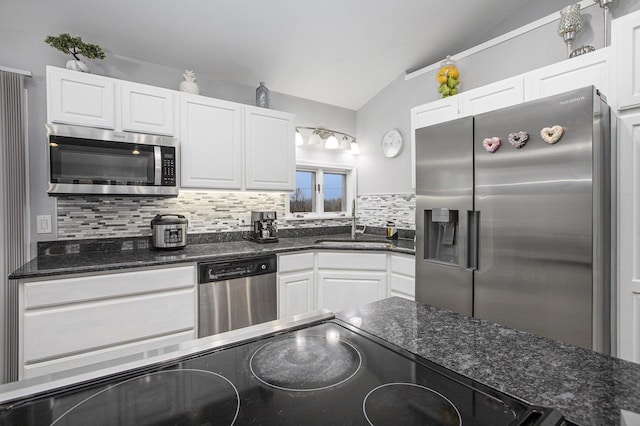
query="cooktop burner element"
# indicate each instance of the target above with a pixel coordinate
(169, 397)
(409, 404)
(306, 362)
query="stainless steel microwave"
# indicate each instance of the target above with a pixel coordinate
(85, 160)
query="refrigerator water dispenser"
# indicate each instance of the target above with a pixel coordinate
(441, 230)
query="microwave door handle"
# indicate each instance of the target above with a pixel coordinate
(157, 161)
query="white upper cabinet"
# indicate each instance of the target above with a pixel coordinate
(96, 101)
(147, 109)
(434, 112)
(269, 149)
(79, 98)
(586, 70)
(493, 96)
(210, 142)
(625, 35)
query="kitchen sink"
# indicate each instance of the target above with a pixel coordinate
(354, 243)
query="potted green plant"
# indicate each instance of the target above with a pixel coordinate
(74, 46)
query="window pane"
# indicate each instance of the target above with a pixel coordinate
(334, 192)
(302, 199)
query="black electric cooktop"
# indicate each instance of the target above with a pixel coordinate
(323, 374)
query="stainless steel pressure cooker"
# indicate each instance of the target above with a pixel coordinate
(169, 231)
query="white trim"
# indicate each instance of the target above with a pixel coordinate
(16, 71)
(584, 4)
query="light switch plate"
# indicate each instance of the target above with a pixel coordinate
(43, 224)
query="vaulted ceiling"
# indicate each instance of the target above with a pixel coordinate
(340, 52)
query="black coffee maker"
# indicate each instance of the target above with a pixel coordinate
(263, 227)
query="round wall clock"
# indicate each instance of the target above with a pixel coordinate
(391, 143)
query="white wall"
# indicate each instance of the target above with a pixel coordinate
(29, 52)
(391, 107)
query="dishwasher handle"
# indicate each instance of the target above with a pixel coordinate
(236, 268)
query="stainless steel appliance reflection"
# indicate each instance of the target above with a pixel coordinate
(518, 231)
(236, 293)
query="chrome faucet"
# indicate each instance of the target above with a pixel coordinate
(354, 229)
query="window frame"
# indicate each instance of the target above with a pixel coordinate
(319, 169)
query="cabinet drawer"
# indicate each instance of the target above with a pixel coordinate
(79, 289)
(404, 265)
(349, 260)
(105, 354)
(295, 262)
(59, 331)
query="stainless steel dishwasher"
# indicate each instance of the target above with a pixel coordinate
(236, 293)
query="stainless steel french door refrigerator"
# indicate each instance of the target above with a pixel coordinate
(514, 217)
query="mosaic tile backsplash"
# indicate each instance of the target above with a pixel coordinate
(81, 217)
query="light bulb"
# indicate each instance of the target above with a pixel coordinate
(332, 142)
(355, 149)
(299, 140)
(315, 139)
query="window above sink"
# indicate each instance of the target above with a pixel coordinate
(323, 191)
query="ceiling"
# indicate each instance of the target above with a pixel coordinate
(340, 52)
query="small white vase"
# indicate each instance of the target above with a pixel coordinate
(74, 65)
(189, 87)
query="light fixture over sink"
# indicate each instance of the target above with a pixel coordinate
(329, 139)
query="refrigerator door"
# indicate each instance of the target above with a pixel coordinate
(444, 198)
(536, 219)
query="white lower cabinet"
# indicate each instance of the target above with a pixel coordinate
(339, 290)
(338, 280)
(402, 272)
(76, 321)
(296, 284)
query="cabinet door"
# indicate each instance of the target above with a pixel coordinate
(401, 276)
(592, 69)
(147, 109)
(296, 293)
(629, 237)
(339, 290)
(492, 96)
(79, 98)
(625, 37)
(210, 143)
(270, 150)
(425, 115)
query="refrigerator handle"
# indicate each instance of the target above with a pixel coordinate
(473, 224)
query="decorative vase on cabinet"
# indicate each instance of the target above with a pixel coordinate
(262, 96)
(75, 65)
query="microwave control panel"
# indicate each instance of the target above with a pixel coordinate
(168, 166)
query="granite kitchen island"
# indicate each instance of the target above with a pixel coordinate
(587, 387)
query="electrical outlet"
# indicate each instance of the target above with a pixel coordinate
(43, 224)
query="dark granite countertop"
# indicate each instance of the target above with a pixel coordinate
(70, 263)
(588, 387)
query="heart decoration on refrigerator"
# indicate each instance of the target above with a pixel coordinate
(551, 135)
(518, 140)
(491, 144)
